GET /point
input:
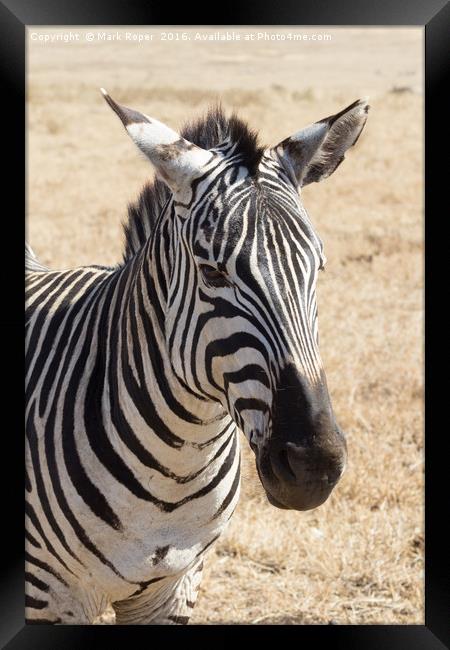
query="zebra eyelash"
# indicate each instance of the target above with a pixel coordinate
(213, 277)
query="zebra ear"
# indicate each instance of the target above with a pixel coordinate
(176, 160)
(316, 151)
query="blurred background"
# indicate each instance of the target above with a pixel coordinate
(358, 559)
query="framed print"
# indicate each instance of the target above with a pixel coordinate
(193, 457)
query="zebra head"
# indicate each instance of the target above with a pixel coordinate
(239, 274)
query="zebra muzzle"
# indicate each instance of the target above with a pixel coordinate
(301, 477)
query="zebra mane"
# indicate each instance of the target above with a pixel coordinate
(208, 132)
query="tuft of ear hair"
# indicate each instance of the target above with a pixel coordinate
(316, 151)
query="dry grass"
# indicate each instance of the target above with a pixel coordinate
(359, 558)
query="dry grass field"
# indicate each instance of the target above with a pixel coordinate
(358, 559)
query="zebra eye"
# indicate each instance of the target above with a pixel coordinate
(213, 277)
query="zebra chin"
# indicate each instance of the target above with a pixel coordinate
(300, 498)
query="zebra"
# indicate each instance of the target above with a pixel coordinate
(140, 376)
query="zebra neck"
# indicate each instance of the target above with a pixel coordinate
(150, 407)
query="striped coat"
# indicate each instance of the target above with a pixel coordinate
(139, 377)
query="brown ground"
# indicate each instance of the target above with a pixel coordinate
(358, 558)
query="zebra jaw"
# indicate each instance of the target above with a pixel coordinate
(177, 161)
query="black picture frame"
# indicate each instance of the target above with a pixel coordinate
(15, 15)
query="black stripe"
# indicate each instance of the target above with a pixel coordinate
(33, 580)
(160, 554)
(202, 445)
(68, 337)
(93, 418)
(164, 254)
(230, 496)
(27, 481)
(50, 336)
(32, 540)
(250, 371)
(207, 546)
(41, 306)
(53, 470)
(42, 621)
(228, 346)
(151, 289)
(251, 404)
(88, 491)
(144, 585)
(43, 565)
(179, 620)
(49, 279)
(42, 494)
(223, 471)
(35, 603)
(154, 354)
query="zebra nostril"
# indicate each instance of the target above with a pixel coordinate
(295, 464)
(285, 466)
